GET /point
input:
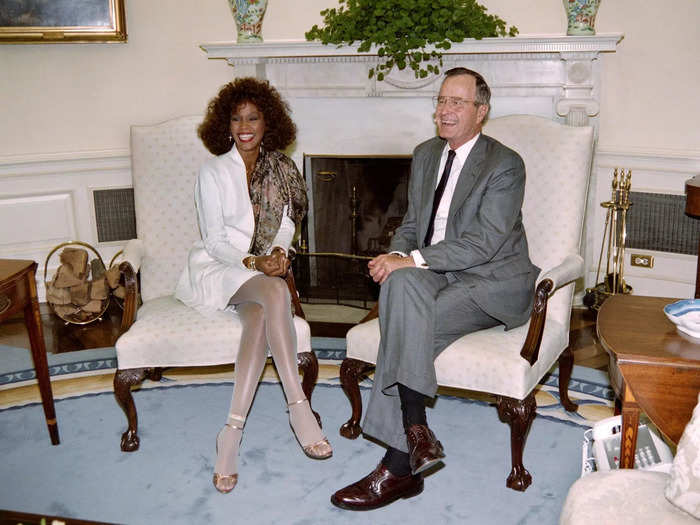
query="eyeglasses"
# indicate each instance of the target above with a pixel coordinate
(453, 102)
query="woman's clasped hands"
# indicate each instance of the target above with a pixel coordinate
(274, 265)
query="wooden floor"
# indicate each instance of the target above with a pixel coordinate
(60, 337)
(584, 342)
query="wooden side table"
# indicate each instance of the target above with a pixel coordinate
(18, 292)
(660, 367)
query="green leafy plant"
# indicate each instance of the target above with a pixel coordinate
(407, 33)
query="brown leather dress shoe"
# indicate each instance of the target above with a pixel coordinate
(377, 489)
(424, 449)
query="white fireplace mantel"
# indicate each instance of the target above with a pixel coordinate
(526, 73)
(300, 50)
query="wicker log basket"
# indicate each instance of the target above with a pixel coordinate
(80, 289)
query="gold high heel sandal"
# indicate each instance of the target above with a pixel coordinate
(312, 449)
(218, 478)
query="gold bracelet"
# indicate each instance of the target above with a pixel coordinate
(251, 263)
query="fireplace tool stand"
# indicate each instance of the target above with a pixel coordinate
(613, 244)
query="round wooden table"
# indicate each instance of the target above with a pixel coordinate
(660, 366)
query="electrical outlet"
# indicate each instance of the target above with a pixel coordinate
(643, 261)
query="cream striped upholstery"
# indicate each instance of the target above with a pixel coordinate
(558, 164)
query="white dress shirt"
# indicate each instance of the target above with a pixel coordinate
(440, 227)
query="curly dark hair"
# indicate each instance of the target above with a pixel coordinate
(215, 131)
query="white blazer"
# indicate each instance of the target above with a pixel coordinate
(215, 269)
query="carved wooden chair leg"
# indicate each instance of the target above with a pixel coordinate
(566, 365)
(519, 415)
(309, 368)
(350, 373)
(123, 381)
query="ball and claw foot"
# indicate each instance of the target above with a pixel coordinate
(130, 441)
(519, 479)
(350, 430)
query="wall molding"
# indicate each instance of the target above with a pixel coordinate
(33, 178)
(64, 163)
(46, 199)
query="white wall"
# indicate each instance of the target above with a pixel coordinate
(650, 101)
(83, 97)
(71, 102)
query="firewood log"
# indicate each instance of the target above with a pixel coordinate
(113, 275)
(76, 258)
(65, 278)
(98, 289)
(80, 294)
(95, 306)
(81, 315)
(57, 295)
(97, 269)
(65, 310)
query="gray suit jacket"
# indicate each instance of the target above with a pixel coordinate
(485, 246)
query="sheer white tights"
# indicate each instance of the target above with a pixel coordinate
(263, 304)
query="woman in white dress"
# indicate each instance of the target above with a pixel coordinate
(249, 199)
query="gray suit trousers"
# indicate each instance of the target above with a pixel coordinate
(421, 312)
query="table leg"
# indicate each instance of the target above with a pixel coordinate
(630, 424)
(32, 319)
(697, 275)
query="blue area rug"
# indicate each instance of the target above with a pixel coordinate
(169, 479)
(16, 363)
(590, 388)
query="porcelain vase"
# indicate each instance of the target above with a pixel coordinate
(580, 15)
(248, 15)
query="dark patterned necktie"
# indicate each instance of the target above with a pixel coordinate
(438, 195)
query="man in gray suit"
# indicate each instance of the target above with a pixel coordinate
(458, 263)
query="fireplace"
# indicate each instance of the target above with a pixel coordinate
(340, 111)
(355, 204)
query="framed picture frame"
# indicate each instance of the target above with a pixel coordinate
(61, 21)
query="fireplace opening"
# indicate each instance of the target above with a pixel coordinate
(355, 204)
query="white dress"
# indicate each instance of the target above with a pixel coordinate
(215, 268)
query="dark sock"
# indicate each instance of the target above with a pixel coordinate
(397, 462)
(412, 407)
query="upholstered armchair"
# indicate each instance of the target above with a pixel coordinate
(510, 364)
(642, 496)
(164, 332)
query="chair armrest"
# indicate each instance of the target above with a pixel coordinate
(296, 304)
(129, 264)
(569, 269)
(372, 314)
(133, 253)
(292, 286)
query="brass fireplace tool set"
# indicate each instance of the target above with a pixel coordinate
(613, 245)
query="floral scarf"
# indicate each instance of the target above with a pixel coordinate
(274, 184)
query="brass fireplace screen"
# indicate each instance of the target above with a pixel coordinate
(355, 205)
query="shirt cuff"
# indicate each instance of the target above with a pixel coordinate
(418, 259)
